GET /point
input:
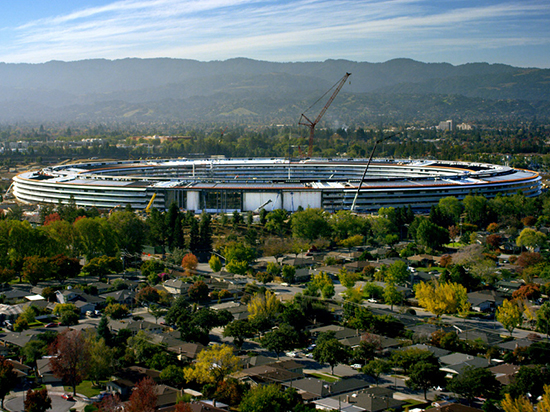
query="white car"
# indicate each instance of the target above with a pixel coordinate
(371, 300)
(356, 366)
(291, 354)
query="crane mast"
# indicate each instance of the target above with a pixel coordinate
(305, 121)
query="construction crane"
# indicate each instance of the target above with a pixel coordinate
(305, 121)
(150, 204)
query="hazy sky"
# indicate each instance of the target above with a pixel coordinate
(515, 32)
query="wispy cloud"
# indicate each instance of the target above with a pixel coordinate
(279, 30)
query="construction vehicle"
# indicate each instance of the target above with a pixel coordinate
(305, 121)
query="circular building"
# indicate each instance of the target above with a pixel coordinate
(226, 185)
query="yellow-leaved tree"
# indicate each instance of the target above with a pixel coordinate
(263, 305)
(213, 364)
(522, 404)
(440, 298)
(510, 315)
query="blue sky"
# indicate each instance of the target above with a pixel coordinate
(515, 32)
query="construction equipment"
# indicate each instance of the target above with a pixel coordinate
(367, 168)
(304, 121)
(148, 208)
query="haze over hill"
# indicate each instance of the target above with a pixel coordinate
(265, 92)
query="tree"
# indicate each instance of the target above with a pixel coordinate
(239, 330)
(37, 401)
(406, 358)
(8, 379)
(289, 273)
(117, 311)
(310, 224)
(473, 382)
(189, 263)
(322, 282)
(442, 297)
(543, 318)
(151, 267)
(431, 235)
(213, 364)
(34, 350)
(103, 331)
(270, 398)
(530, 239)
(424, 375)
(205, 232)
(510, 315)
(281, 339)
(36, 269)
(198, 291)
(399, 272)
(392, 296)
(530, 379)
(521, 404)
(330, 351)
(215, 263)
(143, 398)
(67, 313)
(263, 305)
(71, 356)
(375, 368)
(346, 278)
(100, 362)
(147, 295)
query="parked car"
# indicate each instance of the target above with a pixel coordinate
(291, 354)
(52, 325)
(68, 397)
(356, 366)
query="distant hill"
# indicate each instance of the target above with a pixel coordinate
(266, 92)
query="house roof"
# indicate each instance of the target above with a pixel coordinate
(267, 374)
(505, 373)
(373, 403)
(322, 389)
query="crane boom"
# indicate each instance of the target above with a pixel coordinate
(305, 121)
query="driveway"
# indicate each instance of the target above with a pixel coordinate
(15, 402)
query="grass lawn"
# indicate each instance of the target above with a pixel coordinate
(86, 389)
(326, 378)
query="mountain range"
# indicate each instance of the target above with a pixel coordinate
(251, 91)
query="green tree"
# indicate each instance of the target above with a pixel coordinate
(289, 273)
(530, 239)
(399, 272)
(129, 230)
(215, 263)
(392, 296)
(310, 224)
(239, 330)
(543, 318)
(330, 351)
(281, 339)
(424, 375)
(375, 368)
(271, 398)
(473, 382)
(67, 313)
(100, 364)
